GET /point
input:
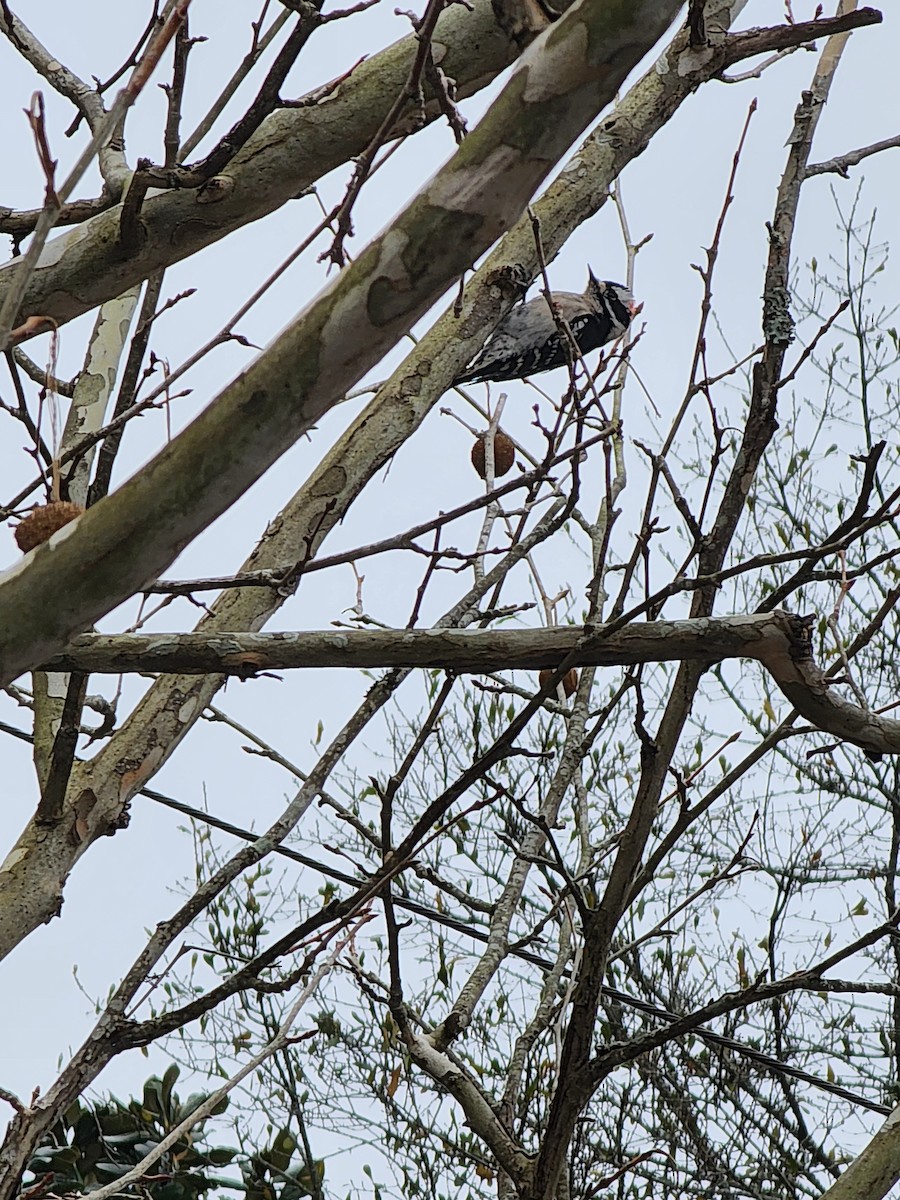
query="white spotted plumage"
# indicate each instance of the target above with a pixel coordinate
(528, 339)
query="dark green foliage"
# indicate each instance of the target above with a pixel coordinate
(94, 1144)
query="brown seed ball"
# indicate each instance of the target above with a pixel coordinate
(504, 454)
(569, 680)
(42, 522)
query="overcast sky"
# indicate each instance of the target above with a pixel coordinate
(674, 191)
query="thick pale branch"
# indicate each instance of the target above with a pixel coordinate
(123, 542)
(479, 1113)
(779, 640)
(710, 640)
(295, 147)
(292, 149)
(877, 1168)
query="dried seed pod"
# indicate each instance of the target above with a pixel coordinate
(43, 521)
(569, 680)
(504, 454)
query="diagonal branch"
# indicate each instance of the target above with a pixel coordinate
(294, 148)
(113, 550)
(874, 1172)
(841, 163)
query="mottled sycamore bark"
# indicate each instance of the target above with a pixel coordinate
(560, 84)
(292, 149)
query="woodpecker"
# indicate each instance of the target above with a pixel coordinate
(528, 340)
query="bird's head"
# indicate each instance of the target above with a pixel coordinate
(616, 298)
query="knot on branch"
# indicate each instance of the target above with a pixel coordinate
(798, 631)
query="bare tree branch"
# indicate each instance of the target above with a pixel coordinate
(842, 163)
(329, 347)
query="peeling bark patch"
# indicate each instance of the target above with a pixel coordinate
(464, 190)
(556, 69)
(388, 300)
(330, 483)
(134, 779)
(492, 208)
(426, 255)
(82, 809)
(187, 710)
(13, 859)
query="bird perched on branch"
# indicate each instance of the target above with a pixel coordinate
(529, 340)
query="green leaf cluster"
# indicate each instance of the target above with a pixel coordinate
(93, 1144)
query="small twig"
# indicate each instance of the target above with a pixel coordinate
(106, 84)
(842, 163)
(258, 47)
(170, 303)
(13, 1100)
(340, 13)
(756, 72)
(737, 865)
(62, 387)
(412, 89)
(175, 92)
(445, 91)
(35, 115)
(660, 465)
(128, 386)
(40, 449)
(847, 531)
(708, 381)
(808, 350)
(106, 129)
(833, 622)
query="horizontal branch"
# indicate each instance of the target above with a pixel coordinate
(779, 641)
(463, 650)
(559, 86)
